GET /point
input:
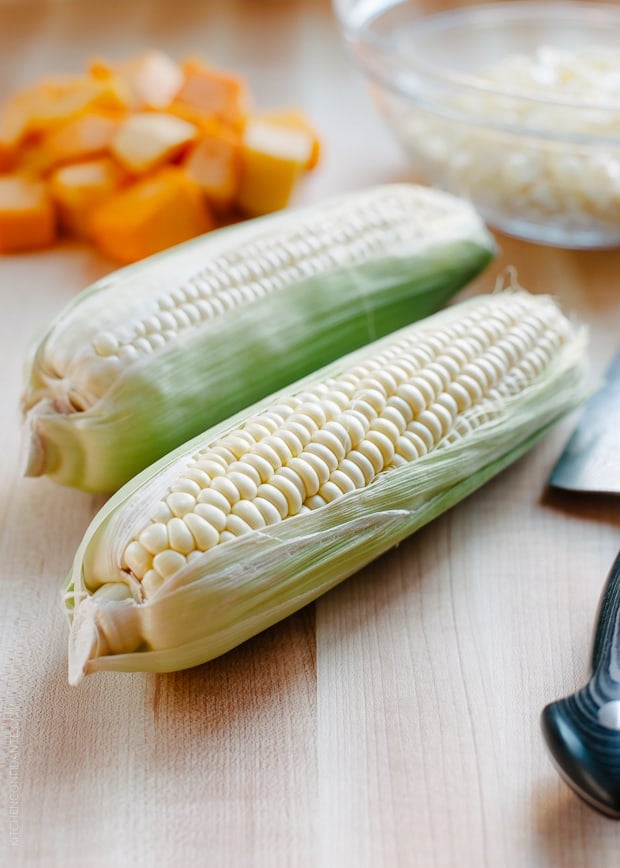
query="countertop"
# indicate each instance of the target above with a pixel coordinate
(396, 721)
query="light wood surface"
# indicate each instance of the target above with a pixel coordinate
(394, 723)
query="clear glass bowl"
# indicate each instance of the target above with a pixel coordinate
(539, 162)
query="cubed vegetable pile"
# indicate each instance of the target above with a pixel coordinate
(141, 155)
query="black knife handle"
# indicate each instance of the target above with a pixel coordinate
(582, 731)
(606, 642)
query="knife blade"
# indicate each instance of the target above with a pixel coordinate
(591, 458)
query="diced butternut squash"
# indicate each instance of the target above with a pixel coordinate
(272, 159)
(154, 213)
(153, 79)
(78, 189)
(87, 135)
(49, 103)
(102, 143)
(146, 140)
(27, 217)
(215, 165)
(214, 92)
(296, 120)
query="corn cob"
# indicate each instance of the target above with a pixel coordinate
(266, 511)
(159, 351)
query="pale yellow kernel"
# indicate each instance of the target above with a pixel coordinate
(414, 397)
(210, 469)
(397, 406)
(208, 455)
(330, 491)
(374, 397)
(198, 476)
(447, 400)
(161, 512)
(227, 536)
(169, 562)
(275, 496)
(244, 484)
(428, 384)
(304, 467)
(431, 421)
(420, 444)
(332, 443)
(105, 344)
(204, 532)
(363, 463)
(181, 502)
(290, 444)
(493, 368)
(471, 386)
(477, 374)
(211, 514)
(264, 450)
(151, 582)
(137, 558)
(154, 538)
(384, 444)
(460, 396)
(352, 470)
(181, 539)
(236, 444)
(236, 525)
(323, 453)
(338, 430)
(282, 446)
(439, 371)
(364, 410)
(224, 453)
(315, 502)
(289, 472)
(260, 428)
(406, 448)
(267, 509)
(247, 470)
(294, 498)
(302, 424)
(423, 433)
(354, 426)
(213, 498)
(442, 415)
(391, 420)
(186, 485)
(344, 482)
(372, 452)
(387, 427)
(224, 485)
(259, 465)
(192, 556)
(247, 510)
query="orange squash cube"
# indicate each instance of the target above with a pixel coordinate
(153, 79)
(215, 165)
(272, 159)
(214, 92)
(79, 188)
(148, 139)
(27, 217)
(154, 213)
(87, 135)
(296, 120)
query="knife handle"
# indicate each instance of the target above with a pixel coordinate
(605, 660)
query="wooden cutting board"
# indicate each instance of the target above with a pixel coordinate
(394, 723)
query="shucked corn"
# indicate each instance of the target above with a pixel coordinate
(262, 514)
(155, 353)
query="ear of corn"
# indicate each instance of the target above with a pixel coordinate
(157, 352)
(268, 510)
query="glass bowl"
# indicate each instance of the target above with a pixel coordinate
(515, 106)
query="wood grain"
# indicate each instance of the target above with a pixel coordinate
(395, 723)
